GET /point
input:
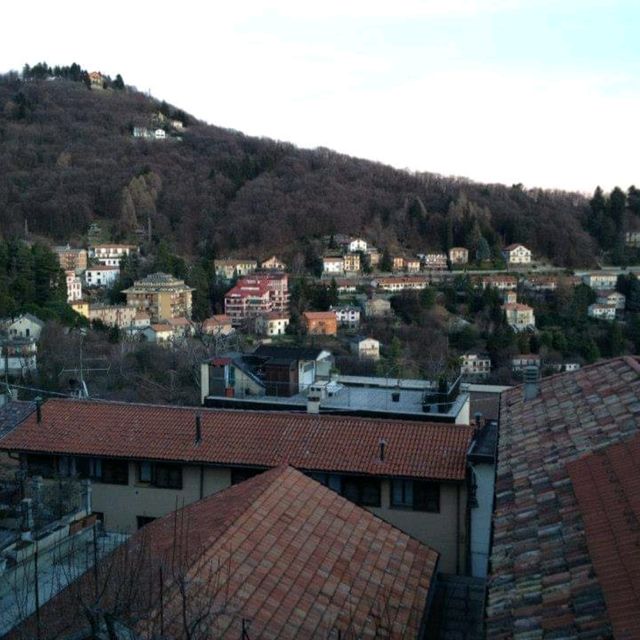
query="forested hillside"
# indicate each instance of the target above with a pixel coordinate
(68, 158)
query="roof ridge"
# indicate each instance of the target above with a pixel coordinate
(298, 414)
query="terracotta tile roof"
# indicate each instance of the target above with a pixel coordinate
(280, 551)
(516, 306)
(253, 438)
(607, 487)
(543, 579)
(319, 315)
(511, 247)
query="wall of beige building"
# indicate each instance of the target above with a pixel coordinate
(438, 530)
(123, 504)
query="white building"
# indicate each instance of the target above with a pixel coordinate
(435, 261)
(358, 244)
(600, 280)
(103, 276)
(333, 264)
(74, 286)
(602, 312)
(348, 316)
(366, 348)
(474, 364)
(274, 323)
(516, 254)
(611, 298)
(111, 254)
(159, 134)
(524, 360)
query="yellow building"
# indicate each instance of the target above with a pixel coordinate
(161, 296)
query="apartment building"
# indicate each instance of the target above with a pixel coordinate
(437, 261)
(161, 296)
(412, 475)
(351, 262)
(332, 265)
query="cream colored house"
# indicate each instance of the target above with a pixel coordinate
(273, 264)
(516, 254)
(458, 255)
(273, 323)
(352, 263)
(411, 474)
(519, 316)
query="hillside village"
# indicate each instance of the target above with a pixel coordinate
(351, 438)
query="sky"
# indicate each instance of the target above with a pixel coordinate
(540, 92)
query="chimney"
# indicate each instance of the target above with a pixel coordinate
(383, 444)
(39, 409)
(198, 429)
(313, 403)
(530, 383)
(478, 419)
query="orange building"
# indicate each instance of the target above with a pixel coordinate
(320, 323)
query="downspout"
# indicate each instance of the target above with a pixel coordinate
(201, 481)
(458, 528)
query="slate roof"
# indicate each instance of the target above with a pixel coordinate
(13, 413)
(544, 581)
(250, 438)
(280, 551)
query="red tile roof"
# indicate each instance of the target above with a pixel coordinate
(543, 576)
(607, 487)
(252, 438)
(279, 551)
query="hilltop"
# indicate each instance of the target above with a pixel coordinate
(68, 157)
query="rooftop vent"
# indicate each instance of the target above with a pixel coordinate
(383, 444)
(198, 429)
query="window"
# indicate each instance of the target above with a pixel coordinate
(330, 480)
(402, 494)
(114, 472)
(89, 468)
(144, 472)
(240, 475)
(168, 476)
(416, 495)
(143, 520)
(362, 491)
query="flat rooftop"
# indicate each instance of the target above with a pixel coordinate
(351, 399)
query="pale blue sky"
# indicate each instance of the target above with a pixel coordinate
(534, 91)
